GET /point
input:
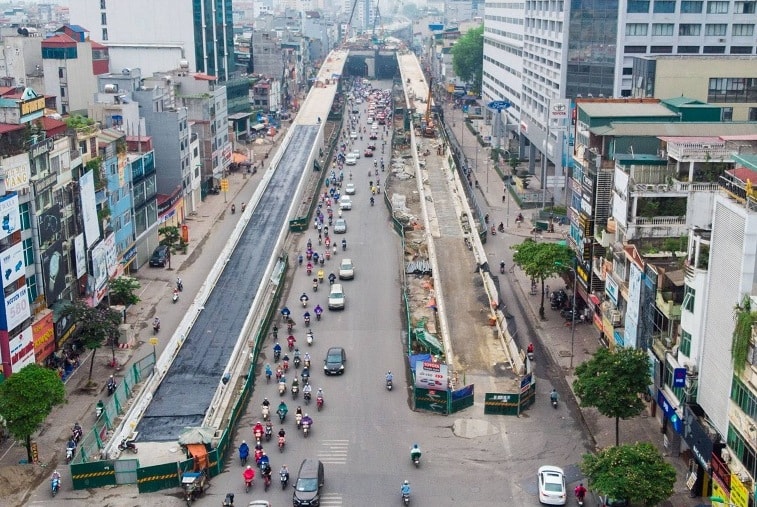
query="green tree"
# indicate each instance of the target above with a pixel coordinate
(613, 383)
(95, 325)
(742, 333)
(541, 261)
(468, 57)
(637, 472)
(123, 289)
(172, 238)
(26, 399)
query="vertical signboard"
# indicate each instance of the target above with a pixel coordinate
(89, 208)
(10, 219)
(80, 251)
(632, 309)
(15, 309)
(43, 332)
(50, 225)
(12, 264)
(22, 349)
(55, 269)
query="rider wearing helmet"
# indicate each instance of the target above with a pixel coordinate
(405, 489)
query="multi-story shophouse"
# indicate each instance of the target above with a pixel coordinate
(641, 208)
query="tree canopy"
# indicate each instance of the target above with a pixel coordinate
(613, 383)
(468, 57)
(636, 472)
(541, 261)
(172, 238)
(95, 325)
(26, 399)
(123, 289)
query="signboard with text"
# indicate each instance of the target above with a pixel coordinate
(431, 375)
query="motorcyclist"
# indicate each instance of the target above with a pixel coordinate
(298, 411)
(156, 324)
(306, 316)
(530, 349)
(244, 452)
(285, 313)
(332, 278)
(56, 475)
(344, 244)
(264, 459)
(304, 298)
(268, 371)
(296, 354)
(580, 492)
(276, 350)
(307, 420)
(318, 310)
(405, 489)
(248, 474)
(501, 266)
(282, 409)
(77, 431)
(389, 377)
(307, 390)
(295, 384)
(319, 393)
(111, 383)
(257, 429)
(266, 403)
(284, 471)
(415, 451)
(305, 375)
(282, 433)
(553, 396)
(306, 359)
(291, 340)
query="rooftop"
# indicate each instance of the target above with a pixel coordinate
(625, 109)
(676, 129)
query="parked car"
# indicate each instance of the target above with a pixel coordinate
(552, 490)
(307, 487)
(334, 362)
(159, 257)
(346, 270)
(336, 297)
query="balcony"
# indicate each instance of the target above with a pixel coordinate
(738, 183)
(702, 150)
(667, 306)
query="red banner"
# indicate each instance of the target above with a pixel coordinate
(43, 331)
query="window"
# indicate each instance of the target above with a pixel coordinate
(636, 29)
(752, 114)
(61, 72)
(744, 398)
(688, 49)
(662, 29)
(105, 34)
(28, 246)
(744, 7)
(691, 7)
(742, 50)
(685, 343)
(103, 18)
(726, 114)
(689, 30)
(102, 4)
(661, 49)
(62, 91)
(688, 298)
(668, 381)
(717, 29)
(713, 50)
(718, 7)
(637, 7)
(634, 49)
(740, 30)
(26, 221)
(664, 6)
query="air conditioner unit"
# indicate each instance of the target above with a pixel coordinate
(69, 279)
(691, 368)
(726, 456)
(615, 317)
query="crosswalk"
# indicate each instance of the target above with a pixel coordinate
(334, 452)
(331, 499)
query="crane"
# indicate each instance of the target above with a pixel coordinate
(348, 28)
(376, 17)
(428, 124)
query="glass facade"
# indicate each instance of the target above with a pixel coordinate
(591, 48)
(216, 58)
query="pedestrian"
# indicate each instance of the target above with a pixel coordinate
(504, 196)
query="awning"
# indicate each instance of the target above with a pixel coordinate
(594, 299)
(238, 158)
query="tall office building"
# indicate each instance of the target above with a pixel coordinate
(154, 37)
(541, 51)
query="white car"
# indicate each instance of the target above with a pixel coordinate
(353, 135)
(552, 490)
(336, 297)
(346, 270)
(350, 159)
(345, 202)
(349, 189)
(375, 126)
(340, 226)
(355, 153)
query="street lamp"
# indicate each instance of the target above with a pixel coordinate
(573, 312)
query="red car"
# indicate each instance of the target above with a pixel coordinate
(368, 153)
(371, 146)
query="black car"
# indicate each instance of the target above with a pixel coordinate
(334, 362)
(159, 257)
(307, 488)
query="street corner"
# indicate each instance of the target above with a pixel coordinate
(473, 428)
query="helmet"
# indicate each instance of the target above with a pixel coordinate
(388, 373)
(111, 376)
(259, 422)
(249, 467)
(415, 446)
(244, 441)
(406, 483)
(306, 415)
(265, 399)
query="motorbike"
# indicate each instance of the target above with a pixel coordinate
(406, 498)
(266, 481)
(156, 327)
(553, 400)
(297, 361)
(344, 245)
(99, 409)
(233, 209)
(70, 451)
(372, 200)
(285, 365)
(298, 420)
(276, 355)
(493, 231)
(306, 364)
(284, 478)
(319, 402)
(318, 313)
(127, 444)
(228, 501)
(54, 485)
(179, 284)
(307, 320)
(307, 396)
(502, 268)
(247, 482)
(305, 429)
(295, 391)
(282, 443)
(268, 432)
(258, 434)
(76, 434)
(309, 269)
(501, 227)
(315, 285)
(389, 384)
(112, 386)
(304, 301)
(282, 388)
(309, 336)
(266, 412)
(175, 296)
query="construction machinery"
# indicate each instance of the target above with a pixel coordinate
(427, 126)
(375, 39)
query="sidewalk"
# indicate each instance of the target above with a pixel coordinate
(554, 338)
(206, 230)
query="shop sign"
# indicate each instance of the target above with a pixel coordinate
(430, 375)
(669, 411)
(739, 492)
(16, 309)
(22, 349)
(44, 337)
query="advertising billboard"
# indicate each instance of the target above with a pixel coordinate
(12, 264)
(50, 225)
(43, 332)
(15, 309)
(55, 269)
(22, 349)
(10, 219)
(16, 171)
(89, 208)
(430, 375)
(80, 251)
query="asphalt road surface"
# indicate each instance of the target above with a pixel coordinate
(364, 433)
(185, 393)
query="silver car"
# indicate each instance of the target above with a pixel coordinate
(340, 226)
